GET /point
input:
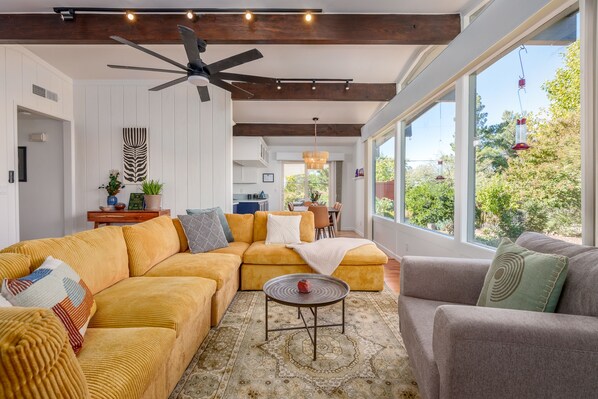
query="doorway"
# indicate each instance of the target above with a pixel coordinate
(40, 175)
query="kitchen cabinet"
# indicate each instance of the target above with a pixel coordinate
(252, 206)
(250, 151)
(245, 174)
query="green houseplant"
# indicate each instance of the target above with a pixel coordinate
(113, 186)
(153, 194)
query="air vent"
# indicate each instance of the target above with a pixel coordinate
(40, 91)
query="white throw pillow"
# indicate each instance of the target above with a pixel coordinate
(283, 229)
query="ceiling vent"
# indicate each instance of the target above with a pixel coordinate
(40, 91)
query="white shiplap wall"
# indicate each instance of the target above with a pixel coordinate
(19, 70)
(190, 143)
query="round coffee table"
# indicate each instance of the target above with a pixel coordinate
(325, 290)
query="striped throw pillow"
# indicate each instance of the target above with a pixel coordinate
(54, 285)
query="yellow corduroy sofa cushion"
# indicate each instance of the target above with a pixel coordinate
(242, 226)
(123, 362)
(36, 359)
(278, 254)
(150, 242)
(99, 256)
(14, 265)
(235, 248)
(306, 228)
(152, 302)
(214, 266)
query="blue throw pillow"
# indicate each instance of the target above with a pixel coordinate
(225, 227)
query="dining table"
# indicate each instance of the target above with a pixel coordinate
(331, 211)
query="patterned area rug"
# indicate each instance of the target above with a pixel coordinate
(368, 361)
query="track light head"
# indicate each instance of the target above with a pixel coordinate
(313, 85)
(308, 17)
(68, 15)
(278, 85)
(248, 15)
(347, 85)
(190, 15)
(130, 16)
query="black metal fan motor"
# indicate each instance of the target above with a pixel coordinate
(196, 71)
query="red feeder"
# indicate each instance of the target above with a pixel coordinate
(440, 176)
(521, 135)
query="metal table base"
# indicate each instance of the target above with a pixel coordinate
(314, 312)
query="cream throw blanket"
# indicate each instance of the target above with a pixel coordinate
(325, 255)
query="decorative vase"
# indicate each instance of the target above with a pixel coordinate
(112, 200)
(153, 202)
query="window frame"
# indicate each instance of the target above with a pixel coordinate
(391, 133)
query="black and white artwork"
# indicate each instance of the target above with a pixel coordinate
(135, 155)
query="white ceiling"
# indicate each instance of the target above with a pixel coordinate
(363, 63)
(330, 6)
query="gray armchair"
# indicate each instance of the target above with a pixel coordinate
(458, 350)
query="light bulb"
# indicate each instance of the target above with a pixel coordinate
(308, 17)
(313, 85)
(347, 86)
(248, 15)
(130, 16)
(278, 86)
(190, 15)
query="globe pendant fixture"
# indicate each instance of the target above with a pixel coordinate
(315, 159)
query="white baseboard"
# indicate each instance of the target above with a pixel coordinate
(388, 252)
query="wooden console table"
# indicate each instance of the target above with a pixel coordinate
(124, 216)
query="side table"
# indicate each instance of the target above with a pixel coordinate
(124, 216)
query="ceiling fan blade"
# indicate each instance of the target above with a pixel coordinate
(190, 42)
(229, 87)
(242, 58)
(134, 68)
(244, 78)
(204, 94)
(168, 84)
(150, 52)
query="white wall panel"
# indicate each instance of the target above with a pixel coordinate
(19, 70)
(189, 142)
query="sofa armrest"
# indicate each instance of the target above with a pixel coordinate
(443, 279)
(503, 353)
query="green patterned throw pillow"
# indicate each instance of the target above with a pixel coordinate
(522, 279)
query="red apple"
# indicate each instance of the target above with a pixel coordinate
(304, 286)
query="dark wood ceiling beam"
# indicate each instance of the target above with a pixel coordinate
(232, 29)
(323, 92)
(296, 130)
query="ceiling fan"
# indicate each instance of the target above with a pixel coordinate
(197, 72)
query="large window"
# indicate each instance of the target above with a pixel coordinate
(303, 185)
(429, 163)
(535, 89)
(384, 172)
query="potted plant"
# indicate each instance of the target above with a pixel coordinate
(113, 187)
(153, 194)
(314, 196)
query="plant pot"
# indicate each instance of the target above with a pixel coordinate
(112, 200)
(153, 202)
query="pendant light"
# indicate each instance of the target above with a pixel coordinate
(315, 159)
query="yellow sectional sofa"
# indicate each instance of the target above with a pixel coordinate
(362, 268)
(154, 304)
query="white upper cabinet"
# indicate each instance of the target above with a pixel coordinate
(250, 151)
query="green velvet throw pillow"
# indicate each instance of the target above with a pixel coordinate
(522, 279)
(225, 227)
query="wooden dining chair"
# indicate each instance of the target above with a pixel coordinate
(320, 220)
(291, 206)
(338, 206)
(307, 203)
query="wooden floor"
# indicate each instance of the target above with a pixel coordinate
(392, 270)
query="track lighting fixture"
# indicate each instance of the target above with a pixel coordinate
(67, 15)
(347, 85)
(130, 16)
(308, 17)
(248, 15)
(313, 84)
(190, 15)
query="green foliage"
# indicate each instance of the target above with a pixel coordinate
(564, 90)
(385, 168)
(317, 180)
(431, 204)
(152, 187)
(114, 185)
(385, 207)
